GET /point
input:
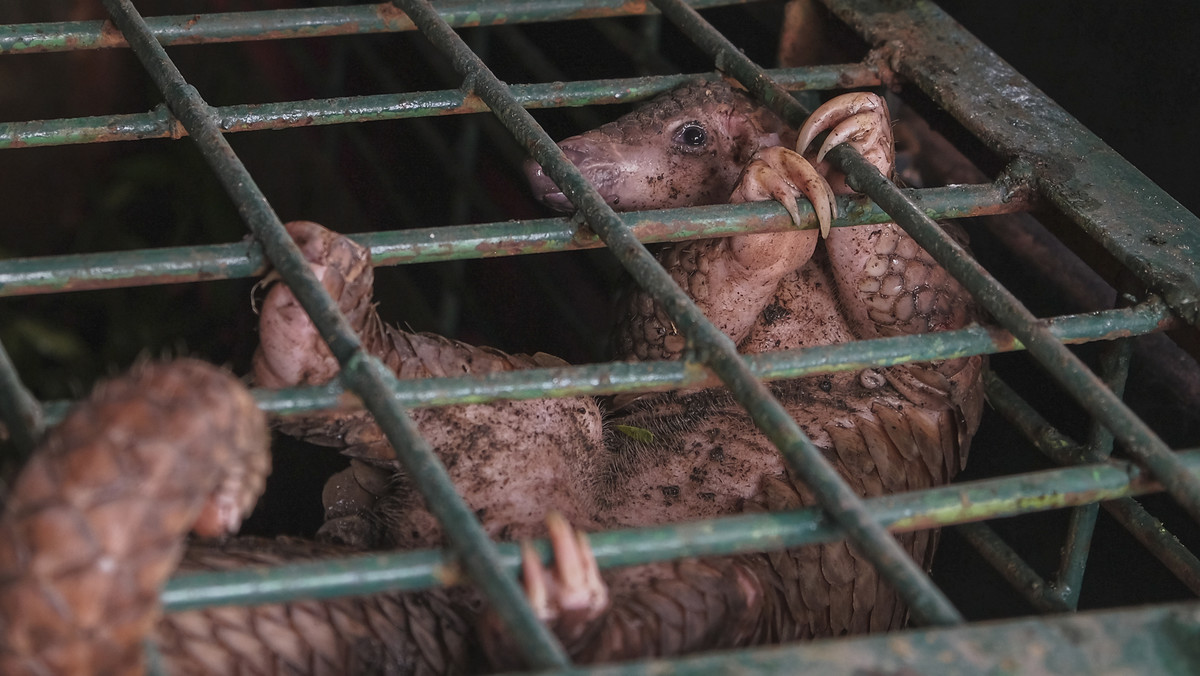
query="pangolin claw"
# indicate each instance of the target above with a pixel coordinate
(860, 119)
(781, 174)
(573, 594)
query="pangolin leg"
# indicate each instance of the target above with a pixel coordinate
(781, 174)
(887, 284)
(291, 351)
(98, 517)
(732, 279)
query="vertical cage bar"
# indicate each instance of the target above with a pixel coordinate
(22, 414)
(1149, 531)
(1114, 368)
(926, 602)
(362, 373)
(1019, 574)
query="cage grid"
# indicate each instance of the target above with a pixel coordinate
(1052, 161)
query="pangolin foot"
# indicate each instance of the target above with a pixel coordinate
(781, 174)
(860, 119)
(573, 595)
(291, 351)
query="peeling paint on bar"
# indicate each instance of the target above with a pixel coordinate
(159, 123)
(284, 24)
(82, 272)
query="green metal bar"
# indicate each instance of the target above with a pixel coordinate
(742, 534)
(1045, 437)
(159, 123)
(80, 272)
(1135, 220)
(362, 373)
(1140, 225)
(1133, 517)
(1156, 641)
(614, 378)
(714, 348)
(282, 24)
(1019, 574)
(1154, 536)
(729, 59)
(1114, 368)
(19, 409)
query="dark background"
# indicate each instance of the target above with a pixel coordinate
(1128, 71)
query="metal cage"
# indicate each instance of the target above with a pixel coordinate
(1048, 163)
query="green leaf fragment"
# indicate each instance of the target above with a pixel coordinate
(636, 433)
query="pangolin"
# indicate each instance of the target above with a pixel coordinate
(886, 430)
(97, 521)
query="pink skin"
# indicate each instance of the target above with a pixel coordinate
(673, 153)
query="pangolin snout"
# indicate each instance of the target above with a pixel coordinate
(544, 189)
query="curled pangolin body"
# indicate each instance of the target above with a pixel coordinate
(96, 521)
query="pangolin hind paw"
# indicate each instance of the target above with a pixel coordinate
(571, 596)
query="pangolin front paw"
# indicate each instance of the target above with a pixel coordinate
(291, 351)
(781, 174)
(860, 119)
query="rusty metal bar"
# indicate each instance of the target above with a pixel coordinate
(715, 349)
(80, 272)
(364, 374)
(1065, 367)
(1149, 531)
(614, 378)
(1155, 641)
(1114, 368)
(1020, 575)
(900, 512)
(1071, 373)
(282, 24)
(159, 123)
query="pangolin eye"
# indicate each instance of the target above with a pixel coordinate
(692, 134)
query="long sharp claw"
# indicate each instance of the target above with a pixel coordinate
(535, 580)
(860, 131)
(591, 570)
(835, 110)
(566, 554)
(814, 186)
(780, 174)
